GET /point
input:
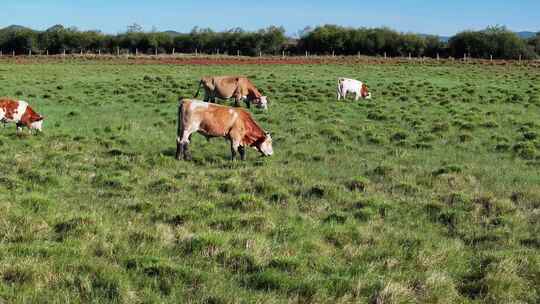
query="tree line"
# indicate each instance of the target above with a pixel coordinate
(497, 42)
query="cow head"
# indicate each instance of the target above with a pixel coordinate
(262, 102)
(36, 123)
(365, 92)
(265, 147)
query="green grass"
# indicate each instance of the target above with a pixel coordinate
(429, 192)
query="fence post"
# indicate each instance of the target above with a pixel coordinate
(410, 56)
(13, 53)
(0, 53)
(333, 53)
(283, 53)
(81, 52)
(30, 52)
(99, 52)
(117, 51)
(47, 52)
(196, 52)
(174, 51)
(384, 55)
(519, 57)
(260, 53)
(464, 57)
(438, 57)
(306, 53)
(156, 51)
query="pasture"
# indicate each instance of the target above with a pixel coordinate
(429, 192)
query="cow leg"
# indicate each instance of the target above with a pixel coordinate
(182, 149)
(187, 154)
(182, 144)
(242, 151)
(237, 95)
(234, 149)
(237, 101)
(19, 128)
(358, 94)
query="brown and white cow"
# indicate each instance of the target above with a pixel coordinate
(20, 113)
(212, 120)
(347, 85)
(237, 87)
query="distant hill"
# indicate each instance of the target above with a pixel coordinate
(173, 33)
(15, 28)
(441, 38)
(526, 34)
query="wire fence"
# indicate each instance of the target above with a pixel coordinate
(156, 53)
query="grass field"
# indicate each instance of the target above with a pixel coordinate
(429, 192)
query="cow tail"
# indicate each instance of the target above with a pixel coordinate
(179, 131)
(199, 89)
(180, 111)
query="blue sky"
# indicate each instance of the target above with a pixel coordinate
(421, 16)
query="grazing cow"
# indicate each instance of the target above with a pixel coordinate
(21, 114)
(346, 85)
(226, 87)
(212, 120)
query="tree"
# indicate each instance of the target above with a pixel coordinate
(496, 41)
(134, 28)
(20, 40)
(534, 44)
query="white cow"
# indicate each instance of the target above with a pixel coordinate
(346, 85)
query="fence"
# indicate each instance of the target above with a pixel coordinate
(283, 54)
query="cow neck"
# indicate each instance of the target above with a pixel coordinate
(254, 133)
(254, 94)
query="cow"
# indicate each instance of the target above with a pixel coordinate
(20, 113)
(237, 87)
(213, 120)
(346, 85)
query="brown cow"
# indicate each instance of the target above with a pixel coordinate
(20, 113)
(213, 120)
(226, 87)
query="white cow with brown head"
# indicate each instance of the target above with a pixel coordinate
(346, 85)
